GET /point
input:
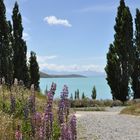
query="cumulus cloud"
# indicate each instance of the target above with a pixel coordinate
(45, 64)
(52, 20)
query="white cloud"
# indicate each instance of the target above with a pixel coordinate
(44, 64)
(43, 59)
(52, 20)
(71, 68)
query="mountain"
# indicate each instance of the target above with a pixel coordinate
(85, 73)
(44, 75)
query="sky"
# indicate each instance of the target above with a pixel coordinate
(69, 36)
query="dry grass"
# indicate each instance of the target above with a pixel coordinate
(6, 126)
(132, 110)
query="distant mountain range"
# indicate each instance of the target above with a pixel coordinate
(79, 73)
(45, 75)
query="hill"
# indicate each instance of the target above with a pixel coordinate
(44, 75)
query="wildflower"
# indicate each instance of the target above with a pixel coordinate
(3, 81)
(31, 103)
(26, 111)
(48, 117)
(15, 82)
(32, 88)
(18, 134)
(63, 111)
(32, 100)
(72, 124)
(41, 132)
(65, 132)
(53, 88)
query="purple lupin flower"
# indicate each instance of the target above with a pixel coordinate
(48, 116)
(63, 111)
(65, 132)
(18, 134)
(53, 88)
(72, 124)
(68, 129)
(32, 100)
(26, 111)
(41, 133)
(31, 104)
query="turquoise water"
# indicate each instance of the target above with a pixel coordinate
(83, 84)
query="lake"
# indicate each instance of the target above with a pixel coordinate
(83, 84)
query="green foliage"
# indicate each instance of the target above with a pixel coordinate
(83, 95)
(20, 48)
(13, 48)
(77, 94)
(5, 46)
(56, 130)
(34, 71)
(71, 97)
(26, 128)
(136, 68)
(94, 93)
(120, 55)
(95, 103)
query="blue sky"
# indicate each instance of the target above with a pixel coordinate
(69, 35)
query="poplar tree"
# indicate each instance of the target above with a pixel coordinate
(123, 47)
(136, 68)
(20, 48)
(113, 71)
(34, 71)
(93, 95)
(6, 70)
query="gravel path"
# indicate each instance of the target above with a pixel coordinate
(109, 125)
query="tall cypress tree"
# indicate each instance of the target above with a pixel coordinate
(11, 67)
(20, 48)
(34, 71)
(5, 46)
(113, 72)
(136, 72)
(123, 47)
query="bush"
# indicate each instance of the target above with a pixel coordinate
(94, 103)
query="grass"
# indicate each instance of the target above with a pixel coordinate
(132, 110)
(9, 121)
